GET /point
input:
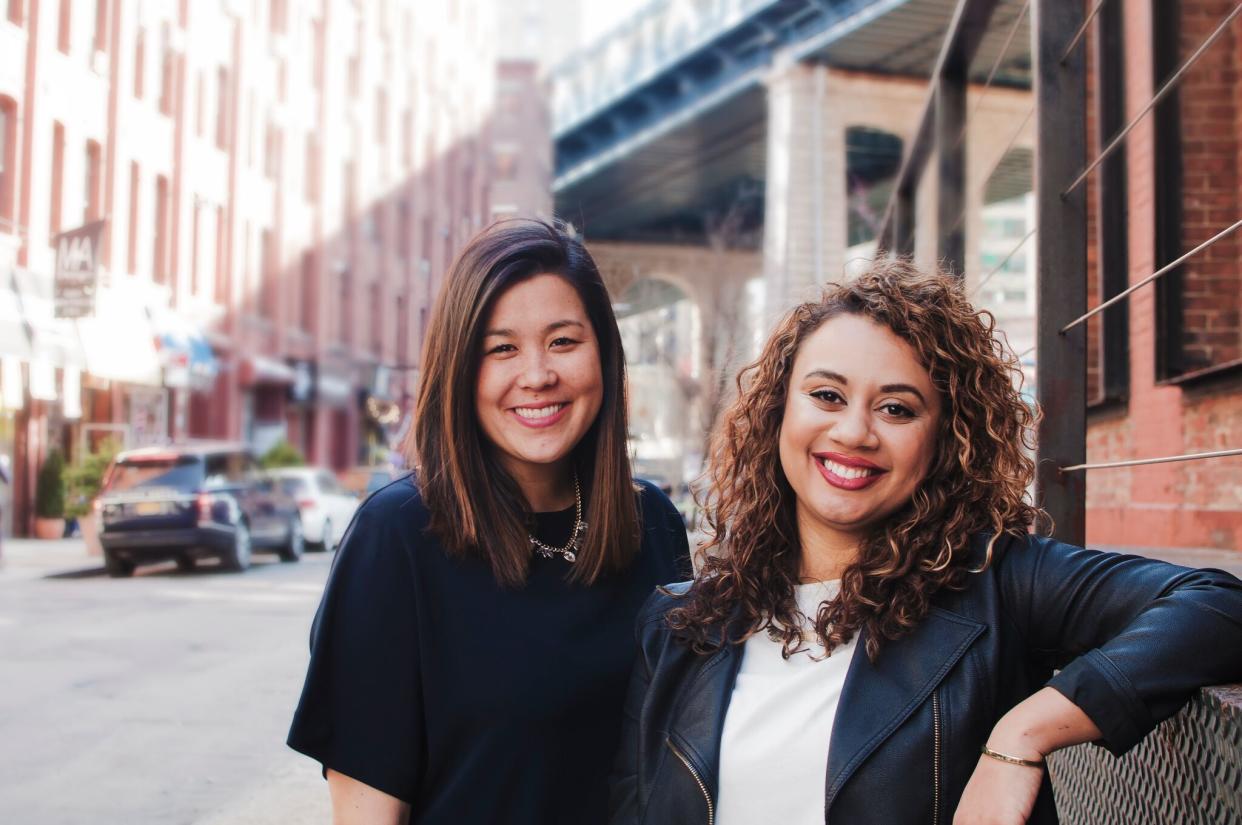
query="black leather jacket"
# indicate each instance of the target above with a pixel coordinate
(1134, 638)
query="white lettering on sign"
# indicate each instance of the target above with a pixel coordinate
(76, 253)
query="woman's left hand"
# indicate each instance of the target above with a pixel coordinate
(998, 794)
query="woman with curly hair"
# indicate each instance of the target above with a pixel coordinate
(874, 632)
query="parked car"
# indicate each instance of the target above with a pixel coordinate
(190, 502)
(362, 481)
(325, 506)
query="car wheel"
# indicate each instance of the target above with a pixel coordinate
(295, 545)
(185, 563)
(237, 557)
(117, 567)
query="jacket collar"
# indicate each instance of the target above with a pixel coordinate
(881, 696)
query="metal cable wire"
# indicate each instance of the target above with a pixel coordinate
(1001, 265)
(1168, 86)
(987, 84)
(1166, 268)
(1105, 465)
(1082, 30)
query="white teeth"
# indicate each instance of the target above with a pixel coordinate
(842, 471)
(534, 414)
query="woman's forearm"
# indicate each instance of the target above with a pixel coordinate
(356, 803)
(1043, 723)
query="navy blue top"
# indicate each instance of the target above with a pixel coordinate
(472, 702)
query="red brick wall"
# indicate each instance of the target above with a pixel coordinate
(1186, 504)
(1211, 122)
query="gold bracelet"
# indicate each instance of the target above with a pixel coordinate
(1012, 760)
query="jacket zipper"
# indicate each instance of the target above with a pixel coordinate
(935, 759)
(711, 810)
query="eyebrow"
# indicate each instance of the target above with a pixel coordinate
(552, 327)
(841, 379)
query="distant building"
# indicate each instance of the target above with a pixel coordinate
(284, 185)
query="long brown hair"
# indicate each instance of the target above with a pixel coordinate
(476, 507)
(976, 483)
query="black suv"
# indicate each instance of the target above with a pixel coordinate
(190, 502)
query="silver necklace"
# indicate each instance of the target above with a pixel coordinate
(570, 551)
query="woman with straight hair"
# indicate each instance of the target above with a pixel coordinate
(874, 629)
(470, 654)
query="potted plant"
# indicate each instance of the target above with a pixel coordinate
(82, 485)
(50, 498)
(282, 454)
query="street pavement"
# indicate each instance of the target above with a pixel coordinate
(164, 698)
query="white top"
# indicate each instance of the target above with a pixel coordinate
(774, 747)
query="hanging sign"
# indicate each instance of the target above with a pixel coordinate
(77, 270)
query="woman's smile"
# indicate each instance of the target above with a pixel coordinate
(847, 473)
(541, 415)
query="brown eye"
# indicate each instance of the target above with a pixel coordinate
(897, 410)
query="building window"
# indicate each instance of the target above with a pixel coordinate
(1108, 369)
(1197, 194)
(347, 193)
(403, 332)
(278, 16)
(347, 308)
(376, 225)
(168, 67)
(407, 137)
(377, 318)
(63, 39)
(200, 105)
(403, 229)
(222, 111)
(267, 274)
(159, 265)
(381, 116)
(131, 256)
(101, 25)
(140, 58)
(223, 285)
(312, 168)
(58, 178)
(247, 277)
(90, 195)
(307, 318)
(317, 54)
(271, 152)
(196, 218)
(8, 162)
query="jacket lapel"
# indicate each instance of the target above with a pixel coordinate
(877, 698)
(698, 720)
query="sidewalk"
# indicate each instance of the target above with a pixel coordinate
(23, 559)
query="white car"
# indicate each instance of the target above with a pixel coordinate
(325, 506)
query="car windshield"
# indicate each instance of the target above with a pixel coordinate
(293, 486)
(183, 472)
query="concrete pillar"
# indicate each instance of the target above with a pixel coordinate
(805, 215)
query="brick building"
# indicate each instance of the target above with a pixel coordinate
(283, 185)
(1165, 373)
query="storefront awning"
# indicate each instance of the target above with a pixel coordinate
(185, 353)
(48, 339)
(119, 341)
(14, 337)
(259, 369)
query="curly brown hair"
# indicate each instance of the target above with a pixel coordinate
(976, 482)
